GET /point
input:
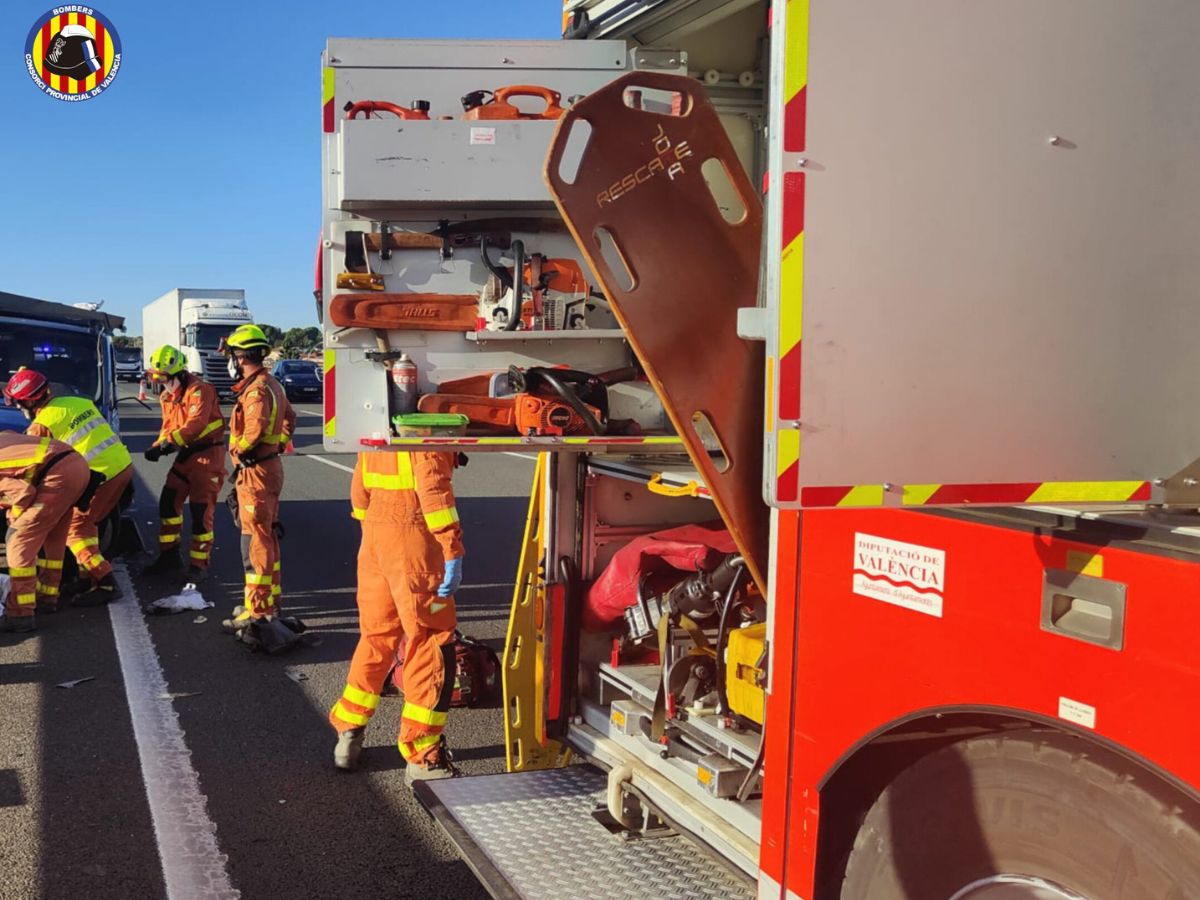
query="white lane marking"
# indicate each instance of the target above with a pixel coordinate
(306, 412)
(328, 462)
(192, 863)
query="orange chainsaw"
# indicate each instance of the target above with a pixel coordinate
(547, 402)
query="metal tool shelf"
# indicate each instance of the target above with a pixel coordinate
(501, 444)
(574, 334)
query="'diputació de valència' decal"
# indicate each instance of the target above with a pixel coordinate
(907, 575)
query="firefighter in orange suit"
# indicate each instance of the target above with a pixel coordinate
(41, 481)
(409, 566)
(259, 429)
(193, 426)
(76, 421)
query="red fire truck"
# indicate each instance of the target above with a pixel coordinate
(883, 274)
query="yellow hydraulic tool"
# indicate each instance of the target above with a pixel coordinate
(526, 745)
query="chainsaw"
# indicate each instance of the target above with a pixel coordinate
(546, 402)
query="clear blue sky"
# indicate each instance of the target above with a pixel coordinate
(199, 166)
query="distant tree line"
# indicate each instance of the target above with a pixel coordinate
(294, 342)
(291, 344)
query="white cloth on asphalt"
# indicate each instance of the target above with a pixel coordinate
(188, 598)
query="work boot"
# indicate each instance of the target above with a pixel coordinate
(104, 592)
(436, 766)
(168, 561)
(17, 625)
(75, 586)
(46, 607)
(237, 621)
(349, 746)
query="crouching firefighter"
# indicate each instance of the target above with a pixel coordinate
(409, 566)
(192, 427)
(76, 422)
(259, 429)
(42, 481)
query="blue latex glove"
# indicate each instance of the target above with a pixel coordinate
(450, 584)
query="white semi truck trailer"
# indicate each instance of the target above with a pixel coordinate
(195, 320)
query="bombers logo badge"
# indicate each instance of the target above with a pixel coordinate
(73, 53)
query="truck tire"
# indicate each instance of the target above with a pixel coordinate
(1037, 815)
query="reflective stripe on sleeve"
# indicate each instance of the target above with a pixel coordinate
(441, 518)
(210, 428)
(415, 713)
(357, 513)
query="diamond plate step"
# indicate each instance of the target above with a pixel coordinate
(531, 835)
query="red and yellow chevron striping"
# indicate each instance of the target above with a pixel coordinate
(1024, 493)
(328, 113)
(791, 276)
(329, 404)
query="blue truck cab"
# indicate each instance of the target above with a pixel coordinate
(72, 347)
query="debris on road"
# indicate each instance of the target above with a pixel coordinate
(295, 674)
(71, 684)
(179, 696)
(188, 598)
(199, 620)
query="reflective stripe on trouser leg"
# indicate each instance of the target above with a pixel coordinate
(170, 511)
(49, 578)
(42, 529)
(353, 709)
(83, 541)
(420, 726)
(200, 551)
(276, 582)
(379, 632)
(85, 527)
(49, 575)
(22, 595)
(91, 560)
(259, 567)
(170, 532)
(258, 500)
(418, 747)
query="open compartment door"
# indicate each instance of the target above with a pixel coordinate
(646, 178)
(993, 242)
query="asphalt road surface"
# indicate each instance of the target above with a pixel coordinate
(81, 787)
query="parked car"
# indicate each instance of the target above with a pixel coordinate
(128, 363)
(301, 378)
